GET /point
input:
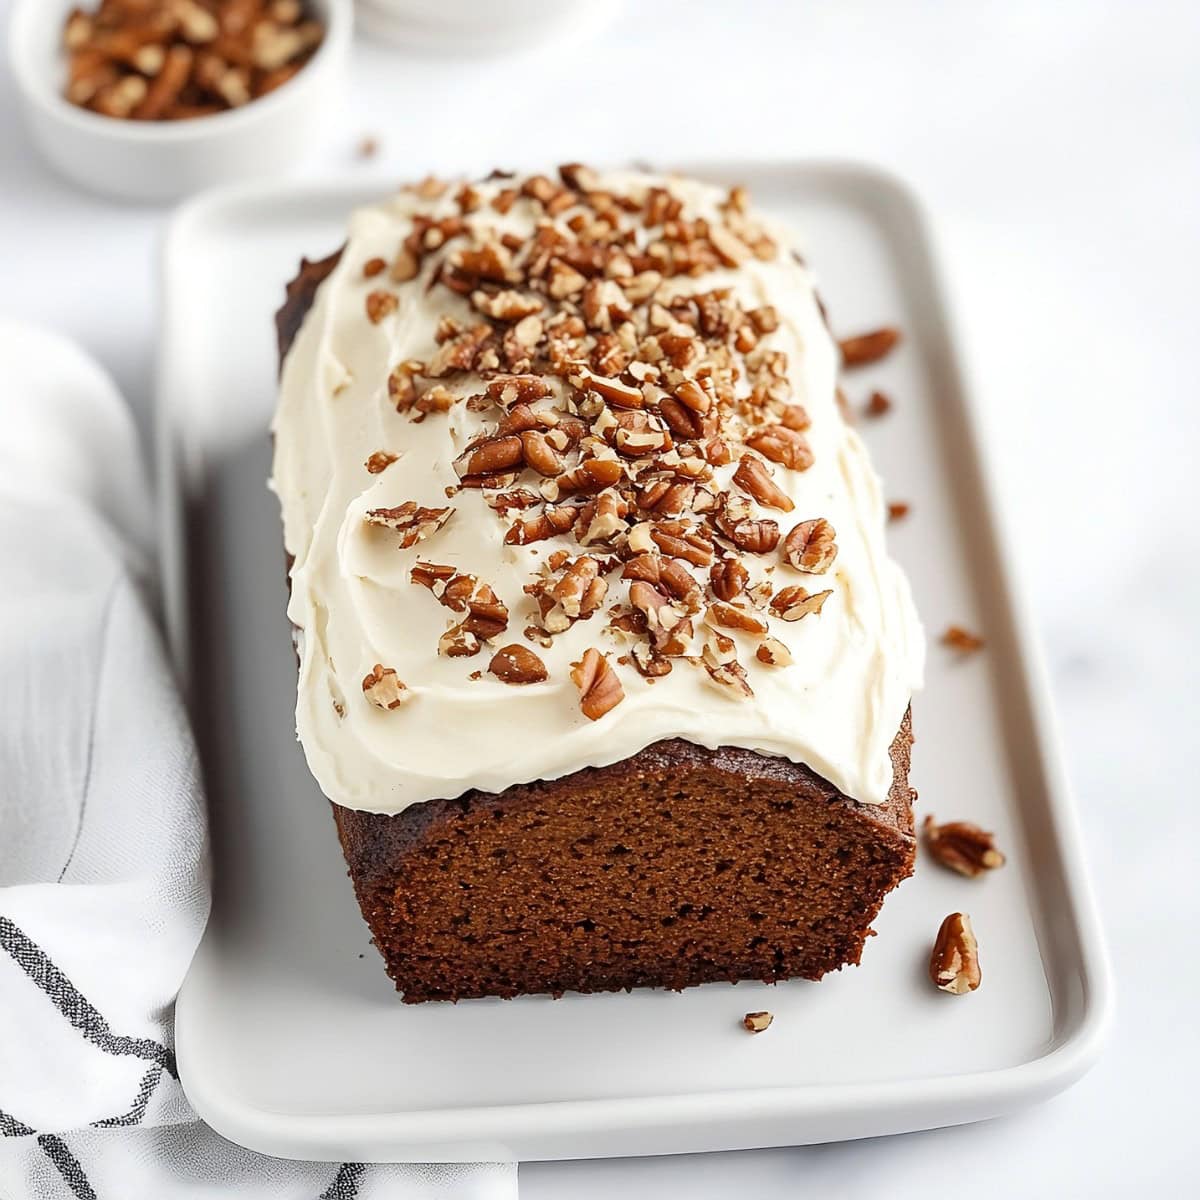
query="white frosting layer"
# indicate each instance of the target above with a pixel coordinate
(837, 707)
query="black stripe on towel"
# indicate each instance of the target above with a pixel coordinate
(11, 1127)
(138, 1111)
(345, 1186)
(69, 1001)
(55, 1149)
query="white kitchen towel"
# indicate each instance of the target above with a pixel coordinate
(103, 846)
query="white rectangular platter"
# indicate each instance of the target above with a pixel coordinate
(290, 1037)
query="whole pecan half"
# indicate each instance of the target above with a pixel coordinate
(811, 546)
(954, 963)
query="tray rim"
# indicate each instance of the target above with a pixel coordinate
(743, 1116)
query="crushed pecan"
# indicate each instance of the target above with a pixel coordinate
(600, 690)
(384, 688)
(754, 477)
(958, 638)
(413, 522)
(379, 461)
(756, 1022)
(811, 546)
(782, 445)
(794, 603)
(719, 658)
(962, 846)
(954, 963)
(878, 405)
(381, 304)
(517, 664)
(868, 347)
(773, 653)
(730, 616)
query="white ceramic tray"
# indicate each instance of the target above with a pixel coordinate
(290, 1037)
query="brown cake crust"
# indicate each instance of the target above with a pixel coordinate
(678, 866)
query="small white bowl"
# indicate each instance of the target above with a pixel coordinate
(164, 160)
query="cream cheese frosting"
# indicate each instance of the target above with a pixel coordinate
(455, 726)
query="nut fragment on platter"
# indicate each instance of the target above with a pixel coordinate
(384, 688)
(962, 846)
(868, 347)
(756, 1022)
(898, 509)
(958, 638)
(517, 664)
(954, 963)
(878, 405)
(600, 690)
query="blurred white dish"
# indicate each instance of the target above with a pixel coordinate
(164, 160)
(473, 27)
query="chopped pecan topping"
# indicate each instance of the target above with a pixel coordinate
(552, 520)
(384, 688)
(958, 638)
(868, 347)
(794, 603)
(413, 522)
(811, 546)
(602, 518)
(379, 461)
(600, 690)
(794, 416)
(539, 453)
(756, 1022)
(719, 658)
(754, 477)
(517, 664)
(784, 446)
(373, 267)
(381, 304)
(773, 653)
(678, 540)
(458, 642)
(728, 578)
(962, 846)
(954, 963)
(488, 457)
(730, 616)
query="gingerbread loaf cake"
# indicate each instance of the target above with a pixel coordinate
(603, 664)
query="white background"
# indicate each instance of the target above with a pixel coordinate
(1058, 145)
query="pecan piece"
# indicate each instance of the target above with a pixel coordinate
(517, 664)
(811, 546)
(962, 846)
(728, 578)
(898, 509)
(782, 445)
(754, 477)
(756, 1022)
(868, 347)
(878, 405)
(677, 540)
(458, 642)
(600, 690)
(719, 658)
(490, 456)
(958, 638)
(731, 617)
(381, 304)
(410, 520)
(602, 518)
(954, 963)
(539, 454)
(384, 688)
(773, 653)
(552, 520)
(794, 603)
(379, 461)
(795, 416)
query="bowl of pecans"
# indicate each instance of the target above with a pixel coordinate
(152, 100)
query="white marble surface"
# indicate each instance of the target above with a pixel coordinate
(1059, 147)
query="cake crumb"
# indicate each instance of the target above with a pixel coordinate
(756, 1022)
(958, 638)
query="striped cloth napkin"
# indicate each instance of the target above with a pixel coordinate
(103, 846)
